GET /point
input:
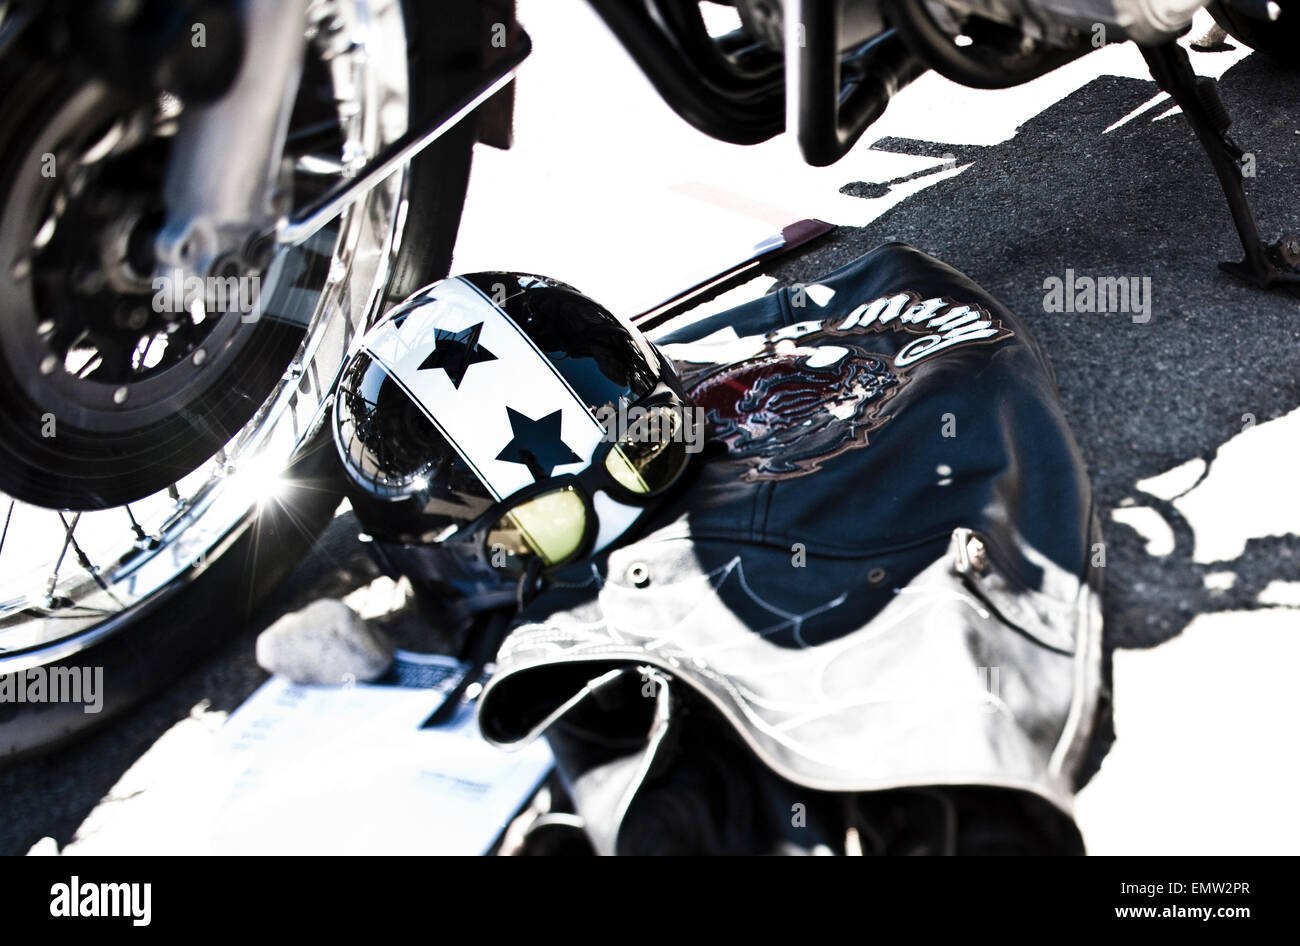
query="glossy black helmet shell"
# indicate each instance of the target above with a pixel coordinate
(406, 482)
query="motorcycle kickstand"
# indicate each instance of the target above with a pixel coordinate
(1266, 266)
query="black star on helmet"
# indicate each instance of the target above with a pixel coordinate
(537, 444)
(456, 351)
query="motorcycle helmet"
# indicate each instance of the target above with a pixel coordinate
(498, 424)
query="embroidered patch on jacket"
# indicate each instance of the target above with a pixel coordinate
(811, 390)
(941, 323)
(786, 413)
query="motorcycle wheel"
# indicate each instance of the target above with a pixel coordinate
(1278, 40)
(141, 588)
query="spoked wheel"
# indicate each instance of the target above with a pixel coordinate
(160, 447)
(115, 390)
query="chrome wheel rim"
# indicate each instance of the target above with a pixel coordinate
(68, 580)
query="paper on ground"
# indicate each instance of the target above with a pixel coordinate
(316, 770)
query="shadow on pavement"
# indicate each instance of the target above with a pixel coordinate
(1143, 398)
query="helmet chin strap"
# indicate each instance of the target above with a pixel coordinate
(614, 517)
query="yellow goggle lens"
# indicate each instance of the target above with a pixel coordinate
(550, 526)
(652, 453)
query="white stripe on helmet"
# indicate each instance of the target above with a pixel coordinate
(474, 417)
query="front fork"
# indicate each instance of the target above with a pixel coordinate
(225, 213)
(221, 189)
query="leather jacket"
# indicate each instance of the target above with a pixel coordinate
(873, 593)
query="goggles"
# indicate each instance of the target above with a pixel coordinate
(554, 522)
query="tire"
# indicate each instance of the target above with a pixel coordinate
(439, 49)
(145, 647)
(1278, 40)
